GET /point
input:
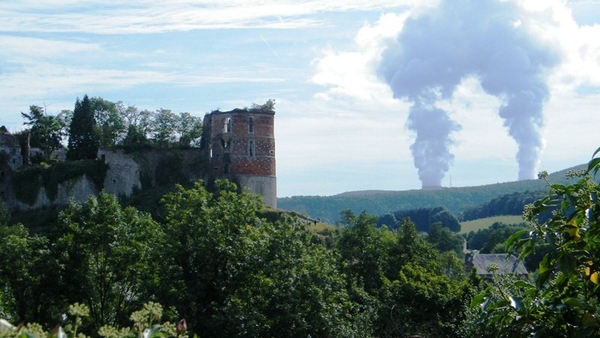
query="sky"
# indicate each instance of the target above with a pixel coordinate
(370, 95)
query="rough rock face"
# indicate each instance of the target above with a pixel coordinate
(77, 190)
(126, 173)
(123, 175)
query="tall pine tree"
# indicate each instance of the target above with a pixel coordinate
(83, 142)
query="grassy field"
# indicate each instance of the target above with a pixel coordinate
(484, 223)
(465, 227)
(321, 227)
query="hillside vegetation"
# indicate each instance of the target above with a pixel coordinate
(328, 208)
(217, 261)
(423, 218)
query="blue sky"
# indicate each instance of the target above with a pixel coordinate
(340, 125)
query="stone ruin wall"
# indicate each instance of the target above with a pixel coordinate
(123, 177)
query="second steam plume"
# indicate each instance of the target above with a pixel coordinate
(494, 41)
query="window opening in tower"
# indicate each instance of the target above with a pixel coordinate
(251, 148)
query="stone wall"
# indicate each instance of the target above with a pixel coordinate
(77, 190)
(126, 174)
(261, 185)
(149, 168)
(123, 175)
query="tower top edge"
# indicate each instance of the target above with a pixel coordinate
(243, 111)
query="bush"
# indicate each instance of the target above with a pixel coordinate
(564, 299)
(145, 324)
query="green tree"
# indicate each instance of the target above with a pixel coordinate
(129, 115)
(365, 249)
(445, 240)
(210, 255)
(109, 125)
(297, 291)
(422, 302)
(109, 257)
(164, 127)
(83, 141)
(423, 218)
(26, 275)
(565, 298)
(419, 287)
(235, 274)
(134, 137)
(46, 131)
(139, 126)
(189, 129)
(409, 247)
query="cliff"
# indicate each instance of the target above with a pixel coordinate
(116, 172)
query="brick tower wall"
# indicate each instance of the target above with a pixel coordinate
(241, 148)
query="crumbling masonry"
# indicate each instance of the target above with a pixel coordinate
(239, 145)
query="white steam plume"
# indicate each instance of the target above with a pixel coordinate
(497, 42)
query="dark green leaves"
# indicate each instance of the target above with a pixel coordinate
(594, 164)
(83, 139)
(109, 257)
(565, 299)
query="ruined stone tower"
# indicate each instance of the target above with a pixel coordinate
(240, 146)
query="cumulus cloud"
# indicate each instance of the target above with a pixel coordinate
(353, 73)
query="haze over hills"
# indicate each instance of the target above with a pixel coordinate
(380, 202)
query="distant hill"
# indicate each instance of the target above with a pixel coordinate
(380, 202)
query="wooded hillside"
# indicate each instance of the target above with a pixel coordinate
(328, 208)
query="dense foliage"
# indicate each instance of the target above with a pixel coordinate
(423, 218)
(83, 140)
(213, 259)
(96, 122)
(492, 239)
(507, 204)
(106, 260)
(45, 131)
(443, 239)
(564, 298)
(110, 126)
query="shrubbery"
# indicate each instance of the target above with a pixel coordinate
(214, 260)
(564, 298)
(146, 324)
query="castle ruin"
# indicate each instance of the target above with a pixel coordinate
(239, 145)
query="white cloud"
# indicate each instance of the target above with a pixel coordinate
(580, 45)
(353, 73)
(350, 75)
(54, 79)
(36, 46)
(128, 17)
